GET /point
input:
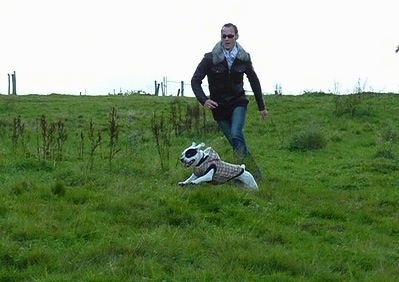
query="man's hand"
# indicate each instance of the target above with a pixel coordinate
(210, 104)
(264, 114)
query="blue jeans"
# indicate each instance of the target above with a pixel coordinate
(233, 130)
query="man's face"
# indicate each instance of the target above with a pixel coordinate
(228, 37)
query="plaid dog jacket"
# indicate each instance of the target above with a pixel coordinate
(223, 171)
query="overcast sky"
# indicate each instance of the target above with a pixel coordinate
(95, 47)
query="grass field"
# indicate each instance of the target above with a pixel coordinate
(88, 191)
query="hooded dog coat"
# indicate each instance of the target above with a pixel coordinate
(223, 171)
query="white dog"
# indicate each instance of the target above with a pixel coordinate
(208, 167)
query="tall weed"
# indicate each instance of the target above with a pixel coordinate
(161, 131)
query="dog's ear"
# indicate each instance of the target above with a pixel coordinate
(199, 146)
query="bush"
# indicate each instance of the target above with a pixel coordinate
(58, 189)
(347, 105)
(388, 133)
(386, 139)
(308, 139)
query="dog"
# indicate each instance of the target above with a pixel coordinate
(208, 167)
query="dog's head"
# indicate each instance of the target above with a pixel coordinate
(192, 155)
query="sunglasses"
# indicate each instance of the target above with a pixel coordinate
(228, 35)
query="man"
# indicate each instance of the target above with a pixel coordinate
(225, 67)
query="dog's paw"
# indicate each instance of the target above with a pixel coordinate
(182, 183)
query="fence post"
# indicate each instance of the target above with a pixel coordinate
(14, 84)
(182, 88)
(156, 88)
(9, 83)
(165, 86)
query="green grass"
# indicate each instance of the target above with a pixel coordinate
(323, 213)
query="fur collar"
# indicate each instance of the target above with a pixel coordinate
(218, 55)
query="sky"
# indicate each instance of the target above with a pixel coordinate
(101, 47)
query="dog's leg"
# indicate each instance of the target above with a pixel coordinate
(188, 180)
(193, 179)
(205, 178)
(248, 180)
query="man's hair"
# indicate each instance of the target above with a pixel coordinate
(230, 25)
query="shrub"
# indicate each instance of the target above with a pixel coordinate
(385, 143)
(388, 133)
(347, 105)
(310, 138)
(58, 189)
